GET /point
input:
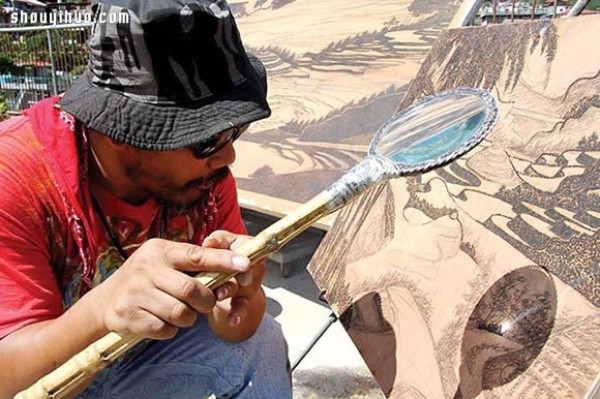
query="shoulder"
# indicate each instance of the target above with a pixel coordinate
(20, 151)
(24, 174)
(14, 123)
(18, 141)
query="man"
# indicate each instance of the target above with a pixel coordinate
(115, 194)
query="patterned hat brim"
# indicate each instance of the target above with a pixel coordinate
(163, 127)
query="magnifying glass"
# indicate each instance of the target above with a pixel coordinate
(429, 134)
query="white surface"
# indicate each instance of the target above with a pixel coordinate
(333, 367)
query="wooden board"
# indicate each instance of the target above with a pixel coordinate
(482, 279)
(337, 70)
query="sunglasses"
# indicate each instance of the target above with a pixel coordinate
(216, 143)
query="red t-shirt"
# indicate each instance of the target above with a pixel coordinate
(45, 209)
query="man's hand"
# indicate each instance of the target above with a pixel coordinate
(241, 300)
(151, 296)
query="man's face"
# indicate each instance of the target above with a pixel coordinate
(177, 177)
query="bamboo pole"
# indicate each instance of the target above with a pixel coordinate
(73, 377)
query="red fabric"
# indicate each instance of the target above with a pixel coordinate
(28, 288)
(49, 234)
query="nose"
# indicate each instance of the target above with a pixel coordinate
(225, 157)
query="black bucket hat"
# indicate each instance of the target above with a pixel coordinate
(167, 74)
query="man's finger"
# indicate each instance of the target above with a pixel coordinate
(194, 258)
(185, 289)
(225, 240)
(169, 309)
(219, 239)
(151, 326)
(245, 279)
(239, 241)
(239, 308)
(227, 290)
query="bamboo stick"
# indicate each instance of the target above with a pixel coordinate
(73, 377)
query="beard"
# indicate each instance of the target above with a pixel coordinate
(190, 195)
(167, 193)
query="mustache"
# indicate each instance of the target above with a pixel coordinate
(208, 181)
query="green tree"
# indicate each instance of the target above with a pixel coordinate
(3, 107)
(7, 65)
(32, 48)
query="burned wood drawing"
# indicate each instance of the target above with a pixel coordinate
(337, 71)
(482, 279)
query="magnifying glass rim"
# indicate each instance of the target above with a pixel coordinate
(487, 125)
